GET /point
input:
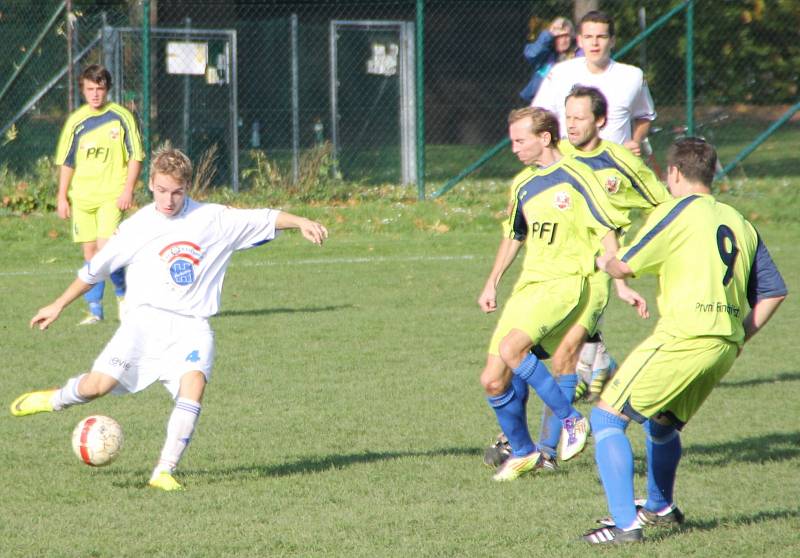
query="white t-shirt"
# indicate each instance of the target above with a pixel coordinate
(623, 85)
(178, 263)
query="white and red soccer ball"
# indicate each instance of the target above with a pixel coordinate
(97, 440)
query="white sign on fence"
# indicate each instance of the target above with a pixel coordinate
(187, 58)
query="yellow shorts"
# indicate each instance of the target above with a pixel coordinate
(543, 310)
(91, 221)
(599, 288)
(666, 374)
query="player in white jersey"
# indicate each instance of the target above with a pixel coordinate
(176, 251)
(630, 106)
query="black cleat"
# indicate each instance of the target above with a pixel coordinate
(612, 535)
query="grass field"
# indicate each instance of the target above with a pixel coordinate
(345, 417)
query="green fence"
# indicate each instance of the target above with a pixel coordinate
(374, 85)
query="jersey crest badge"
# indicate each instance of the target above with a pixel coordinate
(612, 184)
(113, 133)
(562, 201)
(182, 258)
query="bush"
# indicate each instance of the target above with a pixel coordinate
(34, 192)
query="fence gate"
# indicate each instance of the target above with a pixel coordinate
(193, 100)
(372, 99)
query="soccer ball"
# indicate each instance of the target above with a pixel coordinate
(97, 440)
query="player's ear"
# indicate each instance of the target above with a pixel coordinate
(601, 122)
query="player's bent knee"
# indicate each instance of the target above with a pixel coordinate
(495, 382)
(96, 384)
(193, 385)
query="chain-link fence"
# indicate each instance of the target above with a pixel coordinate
(278, 87)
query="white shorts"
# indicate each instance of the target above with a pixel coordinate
(155, 345)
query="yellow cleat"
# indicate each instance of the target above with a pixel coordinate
(90, 319)
(33, 402)
(514, 467)
(165, 481)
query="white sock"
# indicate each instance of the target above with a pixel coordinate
(602, 360)
(68, 395)
(586, 360)
(180, 428)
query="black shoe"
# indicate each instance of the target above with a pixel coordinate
(646, 517)
(673, 516)
(612, 535)
(497, 453)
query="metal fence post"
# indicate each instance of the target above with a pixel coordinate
(420, 57)
(690, 68)
(146, 86)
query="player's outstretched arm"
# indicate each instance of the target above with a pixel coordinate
(615, 268)
(47, 315)
(632, 297)
(311, 230)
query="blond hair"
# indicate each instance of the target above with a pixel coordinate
(541, 121)
(172, 162)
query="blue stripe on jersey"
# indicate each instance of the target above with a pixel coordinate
(765, 281)
(604, 161)
(261, 242)
(89, 124)
(540, 183)
(128, 144)
(660, 226)
(572, 179)
(533, 187)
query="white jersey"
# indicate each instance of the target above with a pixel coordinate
(622, 85)
(178, 263)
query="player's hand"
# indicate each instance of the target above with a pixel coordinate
(62, 208)
(487, 301)
(45, 316)
(634, 147)
(125, 201)
(313, 231)
(634, 299)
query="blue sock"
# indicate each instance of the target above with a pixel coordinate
(118, 278)
(614, 457)
(510, 410)
(663, 445)
(533, 371)
(551, 424)
(94, 297)
(521, 387)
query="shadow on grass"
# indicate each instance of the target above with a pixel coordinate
(782, 377)
(326, 463)
(757, 449)
(654, 535)
(300, 466)
(267, 311)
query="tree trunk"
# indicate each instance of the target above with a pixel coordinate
(581, 7)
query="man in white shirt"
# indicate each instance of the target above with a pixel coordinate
(630, 106)
(175, 252)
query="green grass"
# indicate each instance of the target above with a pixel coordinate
(345, 417)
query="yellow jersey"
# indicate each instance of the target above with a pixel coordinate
(626, 178)
(710, 262)
(562, 213)
(98, 144)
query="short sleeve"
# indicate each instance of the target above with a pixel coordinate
(765, 280)
(248, 228)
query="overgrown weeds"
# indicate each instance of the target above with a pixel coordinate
(317, 178)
